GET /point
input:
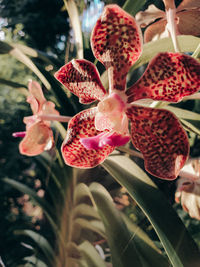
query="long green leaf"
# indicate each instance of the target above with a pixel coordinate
(179, 246)
(187, 43)
(90, 254)
(126, 247)
(132, 7)
(41, 243)
(76, 26)
(183, 113)
(19, 55)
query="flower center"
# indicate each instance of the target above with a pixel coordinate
(111, 115)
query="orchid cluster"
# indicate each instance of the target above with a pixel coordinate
(94, 133)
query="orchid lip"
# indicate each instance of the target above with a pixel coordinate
(106, 138)
(19, 134)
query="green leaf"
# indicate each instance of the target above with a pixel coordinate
(121, 243)
(41, 242)
(92, 225)
(179, 246)
(91, 255)
(34, 261)
(81, 192)
(85, 211)
(132, 7)
(189, 126)
(12, 84)
(183, 113)
(76, 26)
(19, 55)
(187, 43)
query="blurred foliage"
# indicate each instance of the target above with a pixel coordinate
(41, 24)
(66, 215)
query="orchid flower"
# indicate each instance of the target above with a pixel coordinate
(188, 191)
(187, 17)
(94, 133)
(38, 136)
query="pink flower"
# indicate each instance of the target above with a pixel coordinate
(38, 136)
(188, 192)
(94, 133)
(187, 16)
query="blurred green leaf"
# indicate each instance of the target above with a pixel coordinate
(132, 7)
(190, 126)
(76, 26)
(41, 243)
(183, 113)
(179, 246)
(36, 199)
(18, 54)
(187, 43)
(91, 255)
(126, 247)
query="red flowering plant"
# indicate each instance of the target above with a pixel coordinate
(94, 133)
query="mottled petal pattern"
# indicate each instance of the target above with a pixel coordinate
(158, 134)
(74, 153)
(82, 78)
(38, 138)
(168, 77)
(116, 42)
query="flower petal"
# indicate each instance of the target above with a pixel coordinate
(149, 15)
(189, 22)
(156, 31)
(36, 97)
(74, 153)
(39, 137)
(188, 4)
(168, 77)
(82, 78)
(116, 42)
(158, 134)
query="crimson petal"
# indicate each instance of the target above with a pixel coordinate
(82, 78)
(116, 42)
(168, 77)
(74, 153)
(158, 134)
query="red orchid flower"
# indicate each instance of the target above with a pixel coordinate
(94, 133)
(38, 136)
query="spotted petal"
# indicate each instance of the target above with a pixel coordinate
(158, 134)
(82, 78)
(116, 42)
(168, 77)
(74, 153)
(39, 137)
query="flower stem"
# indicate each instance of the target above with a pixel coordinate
(54, 118)
(196, 53)
(172, 27)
